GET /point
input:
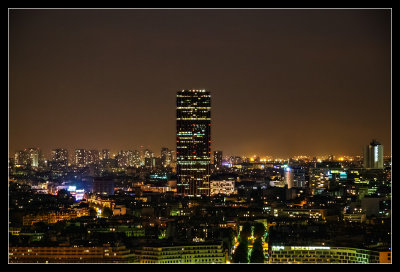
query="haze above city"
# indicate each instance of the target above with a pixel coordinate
(283, 82)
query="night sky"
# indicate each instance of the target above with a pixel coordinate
(283, 82)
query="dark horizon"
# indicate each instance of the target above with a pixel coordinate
(282, 82)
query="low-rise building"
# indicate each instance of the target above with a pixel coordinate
(300, 212)
(54, 217)
(322, 254)
(102, 201)
(355, 217)
(186, 253)
(226, 187)
(70, 254)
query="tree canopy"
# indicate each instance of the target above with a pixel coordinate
(259, 230)
(241, 253)
(257, 254)
(246, 230)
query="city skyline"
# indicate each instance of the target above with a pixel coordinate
(329, 94)
(200, 136)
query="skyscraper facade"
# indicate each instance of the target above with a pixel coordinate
(217, 159)
(28, 156)
(21, 157)
(166, 157)
(80, 157)
(34, 156)
(295, 177)
(373, 155)
(59, 157)
(193, 144)
(92, 157)
(105, 154)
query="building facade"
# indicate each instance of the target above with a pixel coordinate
(217, 159)
(80, 157)
(59, 156)
(193, 253)
(322, 254)
(193, 143)
(373, 155)
(28, 156)
(166, 157)
(226, 187)
(105, 154)
(295, 177)
(103, 185)
(70, 254)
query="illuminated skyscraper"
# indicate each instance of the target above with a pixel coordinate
(34, 156)
(21, 157)
(105, 154)
(295, 177)
(193, 145)
(289, 177)
(92, 157)
(166, 157)
(59, 157)
(373, 155)
(148, 154)
(218, 159)
(122, 158)
(80, 157)
(28, 156)
(133, 158)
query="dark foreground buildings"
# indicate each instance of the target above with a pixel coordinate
(193, 142)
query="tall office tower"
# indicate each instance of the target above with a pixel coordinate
(217, 159)
(193, 145)
(166, 157)
(80, 157)
(105, 154)
(373, 155)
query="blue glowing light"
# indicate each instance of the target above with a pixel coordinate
(79, 197)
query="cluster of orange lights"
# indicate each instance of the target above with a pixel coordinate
(269, 158)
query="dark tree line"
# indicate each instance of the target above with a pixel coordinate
(241, 254)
